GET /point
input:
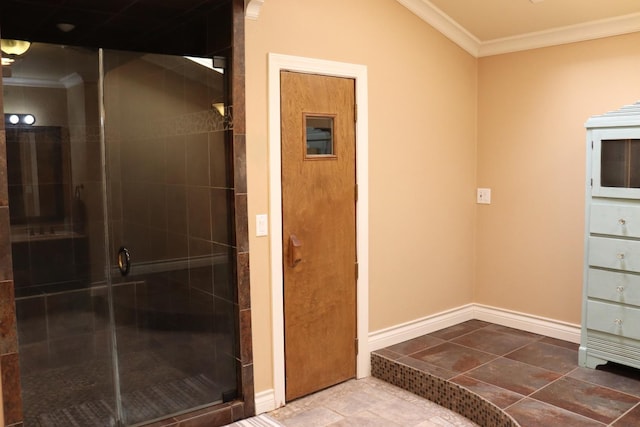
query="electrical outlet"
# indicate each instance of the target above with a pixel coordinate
(484, 196)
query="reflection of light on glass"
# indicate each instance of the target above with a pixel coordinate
(28, 119)
(205, 62)
(14, 119)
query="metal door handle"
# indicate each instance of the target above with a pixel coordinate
(124, 261)
(295, 251)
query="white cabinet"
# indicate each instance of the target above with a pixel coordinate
(611, 296)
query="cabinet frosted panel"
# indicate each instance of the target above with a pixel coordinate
(634, 164)
(620, 163)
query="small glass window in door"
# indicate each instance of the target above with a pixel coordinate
(319, 136)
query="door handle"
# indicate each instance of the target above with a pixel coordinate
(124, 261)
(295, 251)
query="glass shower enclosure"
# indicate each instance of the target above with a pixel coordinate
(122, 235)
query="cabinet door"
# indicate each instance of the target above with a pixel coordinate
(616, 163)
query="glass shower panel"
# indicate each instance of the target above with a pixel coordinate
(57, 237)
(167, 140)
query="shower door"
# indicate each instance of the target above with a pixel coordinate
(121, 231)
(170, 223)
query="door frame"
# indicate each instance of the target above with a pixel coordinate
(277, 63)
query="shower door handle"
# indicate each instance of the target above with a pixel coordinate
(124, 261)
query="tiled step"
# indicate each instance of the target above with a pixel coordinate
(438, 390)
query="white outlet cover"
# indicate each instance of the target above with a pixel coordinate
(262, 227)
(484, 196)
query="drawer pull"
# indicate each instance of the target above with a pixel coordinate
(620, 289)
(622, 221)
(618, 322)
(620, 256)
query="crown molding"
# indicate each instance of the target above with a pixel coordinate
(252, 8)
(439, 20)
(563, 35)
(435, 17)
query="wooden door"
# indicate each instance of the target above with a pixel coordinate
(319, 237)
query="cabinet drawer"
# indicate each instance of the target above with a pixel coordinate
(616, 220)
(617, 254)
(613, 319)
(613, 286)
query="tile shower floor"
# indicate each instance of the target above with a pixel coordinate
(533, 378)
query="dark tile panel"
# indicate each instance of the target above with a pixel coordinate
(240, 163)
(246, 355)
(11, 398)
(206, 417)
(459, 329)
(248, 391)
(492, 341)
(5, 245)
(242, 223)
(630, 419)
(513, 375)
(242, 266)
(4, 194)
(498, 396)
(8, 333)
(532, 413)
(592, 401)
(414, 345)
(547, 356)
(617, 377)
(453, 357)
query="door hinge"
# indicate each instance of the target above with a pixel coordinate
(592, 182)
(355, 112)
(592, 145)
(356, 346)
(356, 270)
(355, 192)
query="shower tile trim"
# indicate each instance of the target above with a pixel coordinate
(440, 391)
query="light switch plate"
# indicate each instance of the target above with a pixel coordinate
(484, 196)
(262, 226)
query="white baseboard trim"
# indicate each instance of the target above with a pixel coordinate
(525, 322)
(265, 401)
(406, 331)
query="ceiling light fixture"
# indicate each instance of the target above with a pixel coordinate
(65, 27)
(19, 119)
(14, 47)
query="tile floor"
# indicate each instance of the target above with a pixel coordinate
(368, 402)
(535, 379)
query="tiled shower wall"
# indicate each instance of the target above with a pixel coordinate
(220, 415)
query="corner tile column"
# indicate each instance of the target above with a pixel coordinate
(9, 361)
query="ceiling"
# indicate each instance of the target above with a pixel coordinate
(489, 27)
(493, 19)
(168, 26)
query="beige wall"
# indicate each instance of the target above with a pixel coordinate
(422, 153)
(531, 151)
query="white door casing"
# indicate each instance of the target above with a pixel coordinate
(278, 62)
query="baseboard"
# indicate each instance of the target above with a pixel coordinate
(265, 401)
(526, 322)
(406, 331)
